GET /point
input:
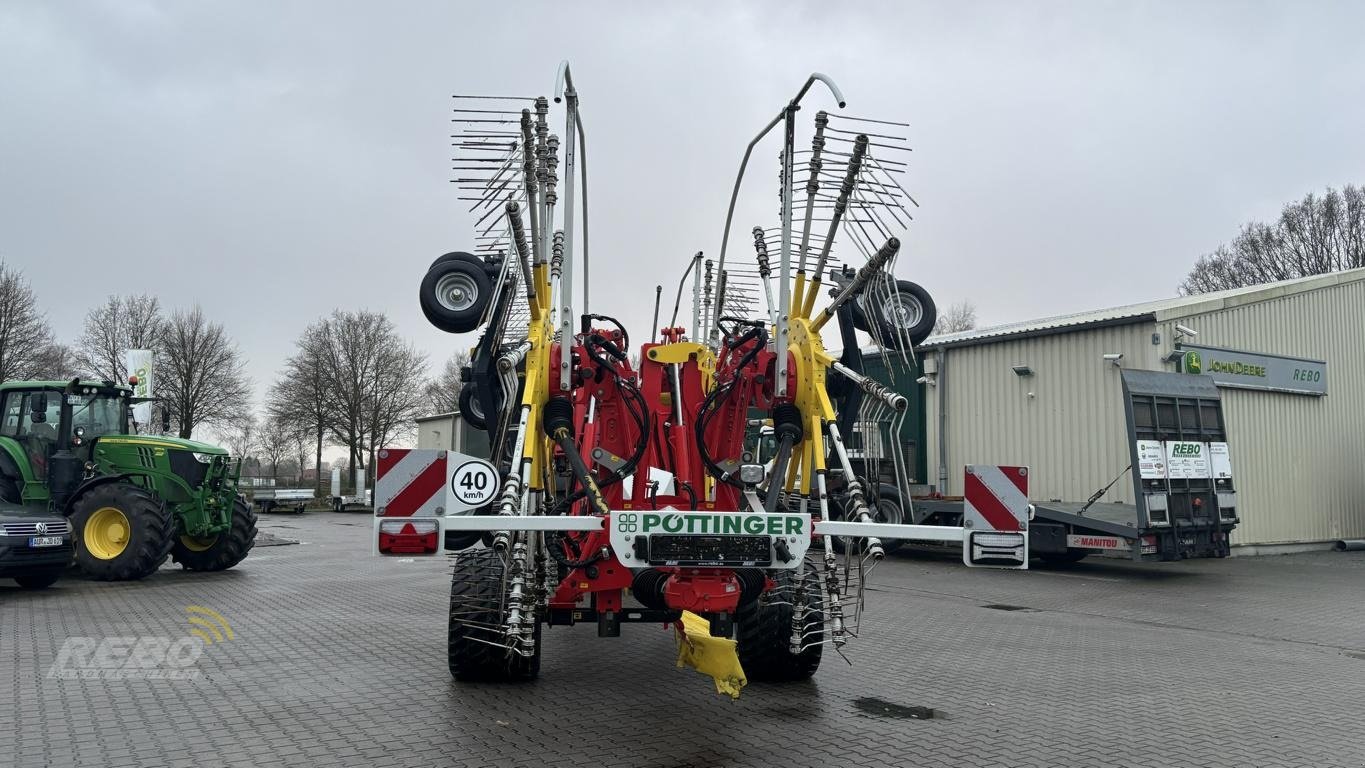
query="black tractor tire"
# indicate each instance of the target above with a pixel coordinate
(40, 579)
(9, 490)
(1069, 557)
(476, 598)
(763, 630)
(915, 321)
(151, 530)
(455, 292)
(225, 550)
(887, 510)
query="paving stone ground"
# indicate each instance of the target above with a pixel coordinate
(338, 659)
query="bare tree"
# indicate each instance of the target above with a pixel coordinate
(374, 382)
(275, 439)
(1313, 236)
(111, 329)
(957, 317)
(300, 397)
(27, 349)
(201, 374)
(443, 392)
(241, 437)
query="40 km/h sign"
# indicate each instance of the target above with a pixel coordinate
(473, 484)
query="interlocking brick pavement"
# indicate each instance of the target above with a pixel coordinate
(339, 659)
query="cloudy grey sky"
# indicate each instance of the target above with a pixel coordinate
(271, 161)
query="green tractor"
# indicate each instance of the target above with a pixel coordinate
(132, 499)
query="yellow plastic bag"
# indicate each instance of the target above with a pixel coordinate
(713, 656)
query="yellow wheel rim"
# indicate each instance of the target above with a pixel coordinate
(106, 533)
(195, 544)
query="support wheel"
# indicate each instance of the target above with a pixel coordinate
(223, 550)
(455, 292)
(908, 312)
(764, 629)
(122, 532)
(475, 646)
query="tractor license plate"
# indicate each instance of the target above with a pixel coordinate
(710, 550)
(45, 541)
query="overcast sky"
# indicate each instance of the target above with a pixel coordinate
(271, 161)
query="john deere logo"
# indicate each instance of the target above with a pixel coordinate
(1193, 363)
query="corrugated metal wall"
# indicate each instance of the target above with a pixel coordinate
(1071, 433)
(1298, 462)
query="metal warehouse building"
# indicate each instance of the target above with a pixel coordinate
(1288, 359)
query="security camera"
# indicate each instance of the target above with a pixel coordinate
(1185, 330)
(1114, 357)
(925, 380)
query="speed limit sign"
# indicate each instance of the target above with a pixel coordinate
(473, 484)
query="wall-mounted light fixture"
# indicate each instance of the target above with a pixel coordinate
(1022, 370)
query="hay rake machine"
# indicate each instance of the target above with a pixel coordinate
(626, 492)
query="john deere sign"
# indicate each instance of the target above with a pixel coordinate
(1249, 370)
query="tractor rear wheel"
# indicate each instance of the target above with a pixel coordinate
(122, 532)
(474, 639)
(222, 551)
(764, 629)
(9, 490)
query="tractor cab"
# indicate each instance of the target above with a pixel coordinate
(32, 415)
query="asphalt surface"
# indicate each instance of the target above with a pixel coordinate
(338, 658)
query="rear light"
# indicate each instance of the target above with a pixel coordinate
(1149, 545)
(408, 537)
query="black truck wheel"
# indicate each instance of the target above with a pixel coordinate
(763, 629)
(455, 292)
(222, 551)
(122, 532)
(886, 510)
(477, 614)
(908, 313)
(39, 579)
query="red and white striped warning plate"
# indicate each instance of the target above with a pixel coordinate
(996, 498)
(410, 483)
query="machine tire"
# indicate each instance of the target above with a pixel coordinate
(923, 313)
(455, 292)
(148, 527)
(763, 631)
(225, 550)
(9, 490)
(1069, 557)
(40, 579)
(476, 588)
(471, 410)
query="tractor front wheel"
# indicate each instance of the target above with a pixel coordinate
(223, 550)
(475, 646)
(764, 628)
(122, 532)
